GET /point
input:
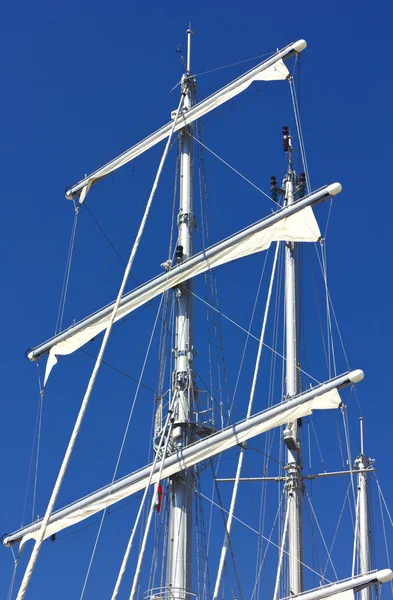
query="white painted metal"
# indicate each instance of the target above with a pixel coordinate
(355, 584)
(223, 95)
(179, 567)
(198, 263)
(294, 481)
(201, 450)
(363, 463)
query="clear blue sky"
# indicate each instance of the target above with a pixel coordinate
(81, 82)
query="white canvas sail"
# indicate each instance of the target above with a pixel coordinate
(293, 223)
(272, 69)
(300, 227)
(322, 397)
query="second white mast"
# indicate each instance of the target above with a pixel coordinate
(294, 480)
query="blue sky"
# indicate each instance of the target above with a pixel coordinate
(82, 82)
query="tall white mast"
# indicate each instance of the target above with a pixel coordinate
(294, 480)
(182, 485)
(363, 463)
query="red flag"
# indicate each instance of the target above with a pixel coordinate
(158, 499)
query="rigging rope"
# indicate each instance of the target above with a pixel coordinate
(281, 555)
(34, 555)
(254, 336)
(258, 577)
(38, 417)
(233, 64)
(121, 450)
(249, 409)
(141, 507)
(12, 583)
(232, 168)
(151, 512)
(321, 534)
(384, 533)
(64, 290)
(263, 536)
(41, 403)
(338, 525)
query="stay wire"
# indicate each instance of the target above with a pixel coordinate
(32, 454)
(264, 537)
(41, 532)
(12, 583)
(249, 411)
(232, 168)
(66, 279)
(253, 336)
(234, 64)
(120, 454)
(169, 423)
(41, 404)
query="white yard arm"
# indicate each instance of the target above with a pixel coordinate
(324, 396)
(345, 589)
(270, 69)
(295, 223)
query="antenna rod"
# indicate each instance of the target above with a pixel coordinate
(364, 463)
(189, 34)
(179, 564)
(294, 480)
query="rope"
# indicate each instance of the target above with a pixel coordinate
(281, 555)
(32, 453)
(253, 336)
(321, 534)
(248, 334)
(384, 535)
(249, 409)
(299, 131)
(40, 407)
(232, 168)
(262, 536)
(338, 525)
(120, 452)
(384, 502)
(78, 423)
(64, 290)
(233, 64)
(12, 583)
(147, 528)
(132, 536)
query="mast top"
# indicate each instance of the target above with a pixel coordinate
(361, 436)
(189, 34)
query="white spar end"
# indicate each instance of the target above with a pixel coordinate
(384, 575)
(334, 188)
(355, 376)
(299, 45)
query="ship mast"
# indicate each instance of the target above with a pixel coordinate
(294, 480)
(179, 563)
(363, 463)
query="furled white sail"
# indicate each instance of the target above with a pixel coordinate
(346, 595)
(272, 69)
(324, 396)
(346, 588)
(299, 227)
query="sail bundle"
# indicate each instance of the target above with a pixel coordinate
(293, 223)
(272, 69)
(321, 397)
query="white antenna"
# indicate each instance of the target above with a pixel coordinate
(363, 463)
